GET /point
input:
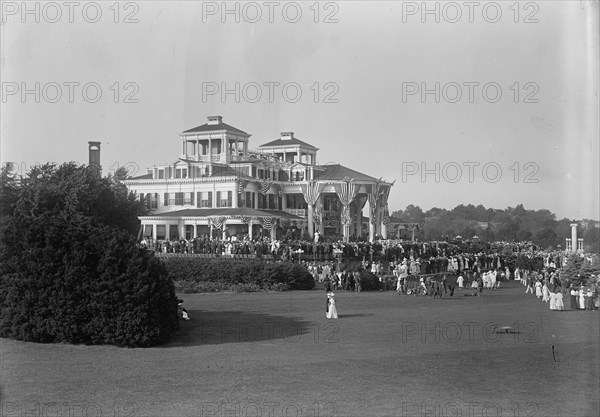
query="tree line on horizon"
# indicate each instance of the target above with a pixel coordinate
(510, 224)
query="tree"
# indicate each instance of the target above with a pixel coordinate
(71, 269)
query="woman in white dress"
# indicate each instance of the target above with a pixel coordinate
(582, 298)
(538, 289)
(545, 293)
(552, 301)
(559, 301)
(332, 311)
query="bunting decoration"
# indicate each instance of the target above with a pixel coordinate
(242, 184)
(345, 217)
(311, 192)
(373, 199)
(264, 187)
(386, 216)
(317, 216)
(217, 222)
(383, 197)
(346, 192)
(331, 221)
(267, 222)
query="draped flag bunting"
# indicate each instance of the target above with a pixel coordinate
(386, 216)
(217, 222)
(331, 221)
(383, 197)
(373, 197)
(311, 191)
(317, 216)
(242, 184)
(345, 217)
(267, 222)
(264, 187)
(346, 191)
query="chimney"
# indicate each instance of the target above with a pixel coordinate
(215, 120)
(287, 135)
(94, 156)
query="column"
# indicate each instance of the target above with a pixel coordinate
(197, 149)
(298, 155)
(573, 237)
(181, 229)
(167, 231)
(283, 201)
(154, 231)
(223, 228)
(250, 228)
(371, 225)
(352, 218)
(358, 214)
(311, 224)
(274, 230)
(209, 149)
(383, 230)
(234, 196)
(322, 224)
(195, 232)
(413, 232)
(255, 195)
(345, 231)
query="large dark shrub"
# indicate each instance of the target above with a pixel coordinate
(222, 274)
(68, 276)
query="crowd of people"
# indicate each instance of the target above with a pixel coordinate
(408, 267)
(548, 288)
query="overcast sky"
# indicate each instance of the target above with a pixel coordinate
(516, 121)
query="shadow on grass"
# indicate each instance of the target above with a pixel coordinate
(212, 328)
(346, 316)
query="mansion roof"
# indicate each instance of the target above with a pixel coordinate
(339, 172)
(215, 128)
(288, 142)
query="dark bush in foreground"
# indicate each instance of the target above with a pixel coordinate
(211, 275)
(69, 280)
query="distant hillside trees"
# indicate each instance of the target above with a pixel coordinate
(518, 223)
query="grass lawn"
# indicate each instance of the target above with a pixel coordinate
(274, 354)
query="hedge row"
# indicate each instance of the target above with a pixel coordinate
(211, 275)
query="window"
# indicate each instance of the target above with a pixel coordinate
(224, 200)
(204, 199)
(161, 232)
(179, 199)
(173, 232)
(271, 202)
(166, 199)
(189, 198)
(161, 174)
(249, 200)
(181, 173)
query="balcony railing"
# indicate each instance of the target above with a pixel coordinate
(296, 212)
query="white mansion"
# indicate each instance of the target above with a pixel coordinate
(218, 185)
